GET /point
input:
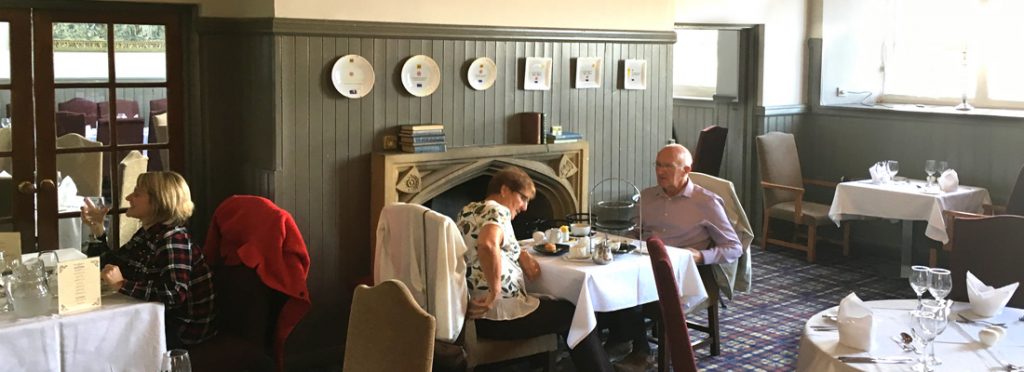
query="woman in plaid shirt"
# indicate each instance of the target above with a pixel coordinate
(160, 263)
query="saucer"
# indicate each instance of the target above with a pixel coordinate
(576, 259)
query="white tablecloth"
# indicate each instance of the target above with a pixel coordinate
(625, 282)
(958, 347)
(123, 335)
(905, 201)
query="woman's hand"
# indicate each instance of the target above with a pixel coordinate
(93, 217)
(531, 269)
(111, 274)
(480, 305)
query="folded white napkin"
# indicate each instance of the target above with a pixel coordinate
(877, 172)
(986, 300)
(67, 195)
(856, 323)
(948, 181)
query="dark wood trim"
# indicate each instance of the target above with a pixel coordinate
(45, 129)
(419, 31)
(20, 21)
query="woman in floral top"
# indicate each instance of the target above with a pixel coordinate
(497, 270)
(160, 263)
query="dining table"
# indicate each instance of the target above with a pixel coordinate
(958, 347)
(626, 281)
(909, 201)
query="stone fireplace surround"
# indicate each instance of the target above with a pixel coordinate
(560, 173)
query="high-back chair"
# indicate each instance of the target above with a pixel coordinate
(782, 186)
(127, 107)
(388, 331)
(1014, 206)
(131, 167)
(81, 106)
(157, 132)
(86, 168)
(991, 248)
(425, 250)
(70, 122)
(252, 232)
(5, 145)
(707, 157)
(675, 338)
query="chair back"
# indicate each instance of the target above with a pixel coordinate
(738, 276)
(707, 157)
(81, 106)
(673, 317)
(85, 168)
(388, 331)
(129, 131)
(5, 145)
(246, 307)
(779, 163)
(128, 107)
(991, 248)
(70, 122)
(1015, 205)
(157, 106)
(131, 167)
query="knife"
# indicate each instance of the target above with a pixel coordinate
(880, 360)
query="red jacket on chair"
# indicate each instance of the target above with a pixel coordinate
(252, 231)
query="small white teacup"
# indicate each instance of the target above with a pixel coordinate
(580, 229)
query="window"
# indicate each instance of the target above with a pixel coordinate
(939, 51)
(695, 63)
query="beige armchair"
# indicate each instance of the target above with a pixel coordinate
(86, 168)
(782, 185)
(388, 331)
(132, 166)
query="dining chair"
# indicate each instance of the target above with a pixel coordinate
(782, 186)
(707, 157)
(388, 331)
(252, 232)
(131, 167)
(85, 168)
(81, 106)
(157, 132)
(674, 340)
(990, 248)
(6, 145)
(1014, 206)
(129, 108)
(129, 131)
(70, 122)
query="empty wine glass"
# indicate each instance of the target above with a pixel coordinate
(943, 166)
(930, 167)
(929, 322)
(919, 281)
(5, 304)
(96, 208)
(894, 168)
(940, 282)
(176, 360)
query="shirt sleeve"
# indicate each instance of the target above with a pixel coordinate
(174, 261)
(727, 246)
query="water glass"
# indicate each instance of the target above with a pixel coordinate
(930, 167)
(919, 281)
(894, 167)
(940, 282)
(176, 360)
(5, 304)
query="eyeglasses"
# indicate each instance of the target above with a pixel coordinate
(658, 165)
(523, 198)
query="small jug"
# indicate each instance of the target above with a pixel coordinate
(28, 290)
(603, 253)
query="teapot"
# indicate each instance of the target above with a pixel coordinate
(603, 253)
(27, 288)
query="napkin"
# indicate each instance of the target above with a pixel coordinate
(986, 300)
(67, 195)
(948, 181)
(856, 323)
(877, 173)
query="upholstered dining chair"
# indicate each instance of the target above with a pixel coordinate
(675, 338)
(707, 156)
(990, 248)
(388, 331)
(782, 186)
(86, 168)
(5, 146)
(1014, 206)
(129, 108)
(250, 232)
(131, 167)
(157, 132)
(81, 106)
(70, 122)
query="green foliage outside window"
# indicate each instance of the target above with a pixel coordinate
(92, 37)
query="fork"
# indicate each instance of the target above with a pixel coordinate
(967, 320)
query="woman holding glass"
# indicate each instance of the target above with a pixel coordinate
(159, 263)
(497, 270)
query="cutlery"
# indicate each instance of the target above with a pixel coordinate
(1010, 367)
(880, 360)
(966, 320)
(831, 317)
(824, 328)
(905, 345)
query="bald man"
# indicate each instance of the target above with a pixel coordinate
(686, 215)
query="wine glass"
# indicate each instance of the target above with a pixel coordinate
(940, 282)
(96, 208)
(929, 322)
(930, 167)
(5, 304)
(894, 167)
(176, 360)
(943, 166)
(919, 281)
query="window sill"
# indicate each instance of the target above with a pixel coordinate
(926, 109)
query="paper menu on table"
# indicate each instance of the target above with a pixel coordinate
(10, 244)
(78, 285)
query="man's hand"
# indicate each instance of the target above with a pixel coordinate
(698, 257)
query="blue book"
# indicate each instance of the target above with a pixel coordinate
(428, 148)
(417, 140)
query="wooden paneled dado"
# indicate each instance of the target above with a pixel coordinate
(273, 125)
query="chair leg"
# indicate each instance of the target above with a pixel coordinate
(933, 256)
(715, 334)
(812, 237)
(662, 347)
(550, 366)
(764, 232)
(846, 239)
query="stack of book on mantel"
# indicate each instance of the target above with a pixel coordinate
(563, 137)
(422, 138)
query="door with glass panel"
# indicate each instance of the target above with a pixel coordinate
(17, 173)
(105, 112)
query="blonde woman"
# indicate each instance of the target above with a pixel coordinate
(160, 263)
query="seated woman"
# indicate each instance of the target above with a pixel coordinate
(495, 269)
(160, 263)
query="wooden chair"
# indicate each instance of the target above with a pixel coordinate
(129, 108)
(81, 106)
(388, 331)
(707, 157)
(1014, 206)
(674, 339)
(992, 248)
(157, 132)
(783, 191)
(70, 122)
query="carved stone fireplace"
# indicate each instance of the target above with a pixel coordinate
(446, 181)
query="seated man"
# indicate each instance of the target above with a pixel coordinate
(684, 215)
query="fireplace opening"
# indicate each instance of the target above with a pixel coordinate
(539, 214)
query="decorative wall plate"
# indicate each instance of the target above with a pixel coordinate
(538, 74)
(352, 75)
(420, 75)
(482, 73)
(635, 74)
(588, 72)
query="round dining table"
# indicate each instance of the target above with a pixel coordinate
(958, 348)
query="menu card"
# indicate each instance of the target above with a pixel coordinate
(10, 244)
(78, 285)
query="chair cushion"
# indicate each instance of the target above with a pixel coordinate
(814, 213)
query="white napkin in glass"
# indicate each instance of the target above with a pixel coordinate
(986, 300)
(67, 195)
(876, 172)
(856, 323)
(948, 181)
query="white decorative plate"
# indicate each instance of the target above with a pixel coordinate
(588, 72)
(420, 75)
(635, 74)
(538, 74)
(352, 76)
(482, 73)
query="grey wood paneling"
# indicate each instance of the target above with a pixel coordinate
(314, 146)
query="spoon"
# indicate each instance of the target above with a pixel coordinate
(964, 319)
(908, 342)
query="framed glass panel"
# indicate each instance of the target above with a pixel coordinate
(80, 52)
(140, 53)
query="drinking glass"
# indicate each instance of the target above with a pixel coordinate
(930, 167)
(96, 207)
(919, 281)
(929, 322)
(176, 360)
(940, 282)
(5, 302)
(894, 168)
(943, 166)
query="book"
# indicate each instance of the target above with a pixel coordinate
(426, 148)
(422, 127)
(530, 128)
(422, 139)
(562, 140)
(422, 133)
